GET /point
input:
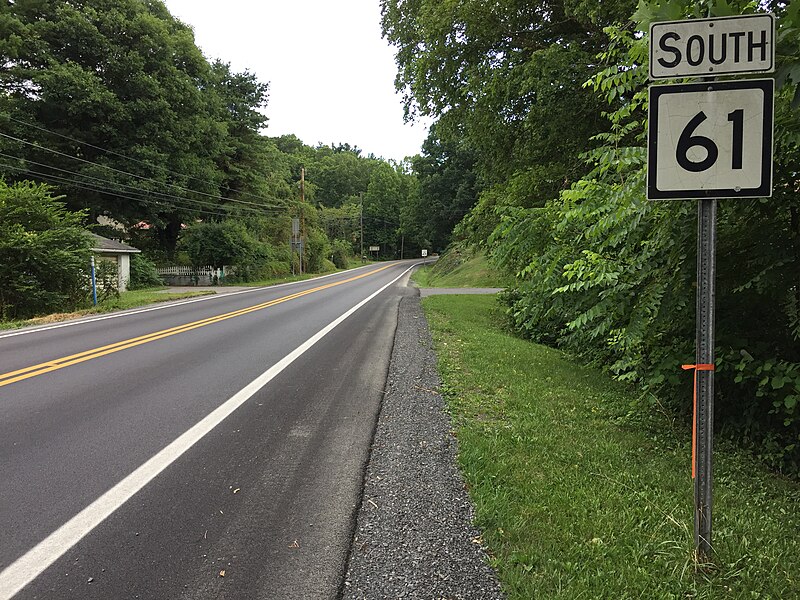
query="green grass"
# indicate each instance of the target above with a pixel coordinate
(352, 263)
(277, 280)
(577, 499)
(136, 298)
(126, 300)
(460, 268)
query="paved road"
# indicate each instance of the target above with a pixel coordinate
(213, 448)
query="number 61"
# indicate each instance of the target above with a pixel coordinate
(687, 141)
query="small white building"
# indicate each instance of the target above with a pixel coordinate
(119, 253)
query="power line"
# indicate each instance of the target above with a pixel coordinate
(136, 160)
(143, 198)
(83, 160)
(134, 189)
(59, 180)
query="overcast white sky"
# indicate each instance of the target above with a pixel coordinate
(331, 74)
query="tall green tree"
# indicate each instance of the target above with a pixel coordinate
(448, 189)
(505, 81)
(382, 203)
(115, 104)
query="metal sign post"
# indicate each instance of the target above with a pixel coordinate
(709, 140)
(703, 426)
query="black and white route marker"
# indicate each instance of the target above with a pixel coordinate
(711, 140)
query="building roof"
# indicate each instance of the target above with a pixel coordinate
(103, 245)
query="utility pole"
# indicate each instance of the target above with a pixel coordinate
(302, 217)
(362, 226)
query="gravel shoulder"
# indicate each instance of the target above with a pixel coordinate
(413, 536)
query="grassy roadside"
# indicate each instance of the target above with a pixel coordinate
(459, 269)
(579, 499)
(137, 298)
(126, 300)
(351, 264)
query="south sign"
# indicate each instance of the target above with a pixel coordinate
(708, 47)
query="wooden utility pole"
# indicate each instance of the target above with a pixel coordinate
(302, 217)
(362, 225)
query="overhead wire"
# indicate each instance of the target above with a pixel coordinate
(136, 160)
(56, 180)
(133, 189)
(83, 160)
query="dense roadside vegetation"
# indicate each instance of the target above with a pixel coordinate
(461, 266)
(144, 139)
(580, 494)
(548, 99)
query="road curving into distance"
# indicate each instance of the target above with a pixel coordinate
(211, 448)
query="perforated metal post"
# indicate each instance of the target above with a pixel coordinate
(706, 276)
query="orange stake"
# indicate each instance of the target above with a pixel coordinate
(698, 367)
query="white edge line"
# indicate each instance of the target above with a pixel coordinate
(30, 565)
(169, 305)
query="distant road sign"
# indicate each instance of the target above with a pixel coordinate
(698, 47)
(424, 253)
(374, 248)
(710, 140)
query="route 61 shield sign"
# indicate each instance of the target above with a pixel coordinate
(710, 140)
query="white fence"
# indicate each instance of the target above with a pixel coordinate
(182, 275)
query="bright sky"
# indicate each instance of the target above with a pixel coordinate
(331, 74)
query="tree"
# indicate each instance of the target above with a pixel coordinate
(505, 81)
(382, 205)
(448, 189)
(44, 252)
(219, 244)
(115, 105)
(605, 273)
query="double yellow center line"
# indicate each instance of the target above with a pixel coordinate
(74, 359)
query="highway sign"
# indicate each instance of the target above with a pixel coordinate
(710, 140)
(705, 47)
(374, 248)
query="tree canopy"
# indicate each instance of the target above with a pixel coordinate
(118, 110)
(550, 100)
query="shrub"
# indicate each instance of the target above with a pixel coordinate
(341, 252)
(317, 245)
(106, 278)
(143, 273)
(44, 253)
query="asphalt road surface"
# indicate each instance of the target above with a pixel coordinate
(213, 448)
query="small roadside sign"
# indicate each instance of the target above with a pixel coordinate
(711, 140)
(424, 253)
(707, 47)
(374, 248)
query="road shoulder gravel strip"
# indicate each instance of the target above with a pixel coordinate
(414, 536)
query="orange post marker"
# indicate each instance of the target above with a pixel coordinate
(696, 368)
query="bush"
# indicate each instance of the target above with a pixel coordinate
(317, 246)
(228, 243)
(106, 277)
(341, 252)
(44, 253)
(143, 273)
